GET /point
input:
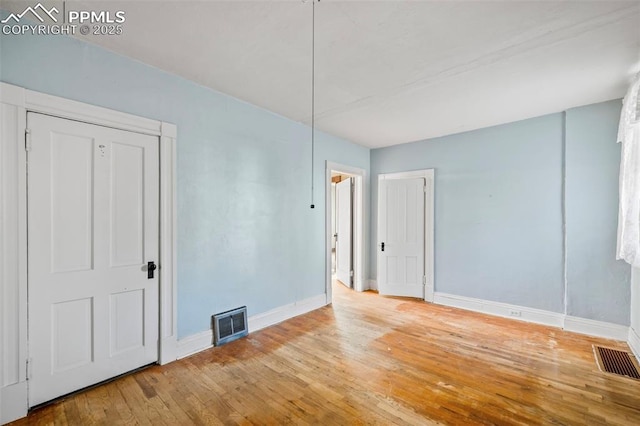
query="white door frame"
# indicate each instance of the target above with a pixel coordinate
(15, 102)
(358, 225)
(429, 177)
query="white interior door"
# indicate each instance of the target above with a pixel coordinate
(93, 226)
(344, 242)
(401, 237)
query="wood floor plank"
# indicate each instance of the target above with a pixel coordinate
(371, 360)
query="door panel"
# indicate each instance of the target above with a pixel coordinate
(344, 243)
(93, 199)
(127, 216)
(71, 202)
(72, 334)
(127, 321)
(401, 229)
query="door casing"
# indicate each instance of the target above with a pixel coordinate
(359, 256)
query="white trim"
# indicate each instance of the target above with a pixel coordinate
(168, 245)
(407, 175)
(429, 244)
(66, 108)
(14, 189)
(204, 340)
(13, 254)
(596, 328)
(538, 316)
(13, 402)
(634, 342)
(359, 225)
(195, 343)
(527, 314)
(12, 95)
(373, 284)
(283, 313)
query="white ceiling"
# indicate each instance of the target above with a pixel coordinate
(390, 72)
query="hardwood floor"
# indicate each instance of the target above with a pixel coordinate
(372, 360)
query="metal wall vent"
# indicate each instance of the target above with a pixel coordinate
(616, 362)
(229, 325)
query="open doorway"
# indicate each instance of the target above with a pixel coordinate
(344, 227)
(342, 201)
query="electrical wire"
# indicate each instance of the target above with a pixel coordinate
(313, 94)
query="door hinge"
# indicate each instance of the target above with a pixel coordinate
(424, 188)
(27, 140)
(351, 273)
(29, 364)
(424, 280)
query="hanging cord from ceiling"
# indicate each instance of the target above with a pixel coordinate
(313, 93)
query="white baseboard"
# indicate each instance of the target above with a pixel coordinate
(204, 340)
(168, 350)
(13, 402)
(634, 342)
(596, 328)
(538, 316)
(194, 344)
(274, 316)
(373, 285)
(527, 314)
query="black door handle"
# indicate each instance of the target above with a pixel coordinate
(382, 246)
(151, 266)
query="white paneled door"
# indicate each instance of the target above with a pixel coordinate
(401, 242)
(344, 225)
(93, 200)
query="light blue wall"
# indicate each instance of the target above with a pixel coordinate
(498, 221)
(635, 304)
(498, 212)
(597, 285)
(246, 234)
